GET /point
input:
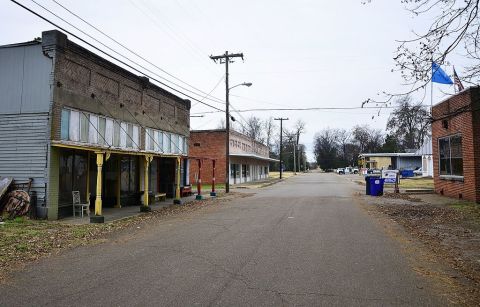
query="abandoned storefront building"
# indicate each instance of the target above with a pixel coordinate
(456, 145)
(73, 121)
(249, 159)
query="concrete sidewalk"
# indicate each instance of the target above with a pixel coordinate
(115, 214)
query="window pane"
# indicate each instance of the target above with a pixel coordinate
(129, 135)
(92, 129)
(116, 134)
(444, 155)
(109, 132)
(136, 137)
(74, 129)
(456, 146)
(83, 127)
(101, 130)
(457, 166)
(156, 146)
(123, 135)
(65, 124)
(160, 141)
(167, 143)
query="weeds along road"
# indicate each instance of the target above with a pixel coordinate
(304, 241)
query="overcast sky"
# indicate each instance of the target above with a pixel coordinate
(297, 53)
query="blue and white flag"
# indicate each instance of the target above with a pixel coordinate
(439, 76)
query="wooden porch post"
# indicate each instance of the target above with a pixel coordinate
(213, 193)
(145, 207)
(199, 181)
(119, 182)
(98, 218)
(177, 199)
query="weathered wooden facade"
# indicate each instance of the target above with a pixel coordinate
(74, 121)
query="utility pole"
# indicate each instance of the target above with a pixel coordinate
(294, 163)
(281, 135)
(298, 139)
(225, 59)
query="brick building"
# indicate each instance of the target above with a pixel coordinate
(249, 160)
(456, 145)
(74, 121)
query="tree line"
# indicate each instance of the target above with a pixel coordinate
(407, 128)
(267, 132)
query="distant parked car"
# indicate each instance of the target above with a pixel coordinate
(341, 171)
(355, 170)
(418, 172)
(374, 171)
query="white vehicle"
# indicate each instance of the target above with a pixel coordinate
(340, 171)
(351, 170)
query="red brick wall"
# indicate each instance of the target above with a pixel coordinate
(210, 144)
(457, 111)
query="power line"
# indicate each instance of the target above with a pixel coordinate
(214, 88)
(296, 109)
(128, 49)
(123, 56)
(111, 56)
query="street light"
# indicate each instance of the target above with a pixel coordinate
(227, 130)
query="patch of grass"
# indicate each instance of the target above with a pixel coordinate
(470, 209)
(276, 175)
(416, 183)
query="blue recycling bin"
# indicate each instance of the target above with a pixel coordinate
(376, 186)
(367, 183)
(407, 173)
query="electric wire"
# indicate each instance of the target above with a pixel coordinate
(118, 53)
(132, 51)
(111, 56)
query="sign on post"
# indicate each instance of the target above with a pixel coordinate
(390, 176)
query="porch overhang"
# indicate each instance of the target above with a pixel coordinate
(114, 150)
(253, 156)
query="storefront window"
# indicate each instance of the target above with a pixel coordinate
(72, 176)
(451, 156)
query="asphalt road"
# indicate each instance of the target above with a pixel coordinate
(304, 241)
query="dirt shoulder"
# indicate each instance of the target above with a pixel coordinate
(23, 241)
(442, 236)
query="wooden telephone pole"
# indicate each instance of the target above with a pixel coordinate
(281, 119)
(225, 59)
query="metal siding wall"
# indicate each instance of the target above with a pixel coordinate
(24, 80)
(23, 149)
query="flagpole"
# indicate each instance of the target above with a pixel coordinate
(431, 88)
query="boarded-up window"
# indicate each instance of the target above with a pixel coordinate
(109, 132)
(123, 135)
(92, 129)
(101, 130)
(116, 134)
(74, 132)
(65, 124)
(84, 127)
(136, 137)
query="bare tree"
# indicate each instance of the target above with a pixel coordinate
(409, 123)
(221, 124)
(367, 139)
(343, 138)
(270, 132)
(455, 26)
(254, 129)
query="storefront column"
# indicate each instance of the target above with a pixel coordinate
(98, 218)
(145, 207)
(119, 182)
(213, 193)
(177, 199)
(199, 181)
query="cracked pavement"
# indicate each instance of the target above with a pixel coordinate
(304, 241)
